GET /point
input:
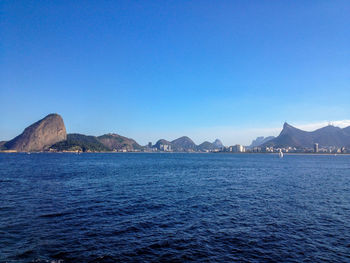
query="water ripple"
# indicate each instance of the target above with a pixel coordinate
(174, 208)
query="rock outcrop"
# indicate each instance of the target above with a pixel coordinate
(40, 135)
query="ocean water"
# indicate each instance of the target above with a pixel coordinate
(174, 208)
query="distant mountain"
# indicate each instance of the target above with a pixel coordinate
(80, 142)
(260, 140)
(218, 143)
(326, 136)
(40, 135)
(183, 144)
(117, 142)
(2, 143)
(347, 130)
(207, 146)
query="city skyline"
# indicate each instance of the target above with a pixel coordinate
(228, 70)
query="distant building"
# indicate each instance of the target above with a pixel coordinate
(149, 145)
(237, 148)
(226, 149)
(267, 149)
(165, 147)
(256, 149)
(316, 147)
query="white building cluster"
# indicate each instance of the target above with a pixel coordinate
(165, 147)
(238, 148)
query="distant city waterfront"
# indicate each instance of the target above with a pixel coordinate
(49, 135)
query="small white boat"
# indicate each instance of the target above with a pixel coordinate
(280, 154)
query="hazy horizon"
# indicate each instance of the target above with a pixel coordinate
(232, 70)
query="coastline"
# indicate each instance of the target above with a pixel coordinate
(111, 152)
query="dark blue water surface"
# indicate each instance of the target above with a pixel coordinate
(174, 207)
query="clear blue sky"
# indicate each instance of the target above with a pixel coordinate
(151, 69)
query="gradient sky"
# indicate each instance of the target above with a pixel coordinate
(162, 69)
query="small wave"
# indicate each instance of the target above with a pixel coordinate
(25, 254)
(131, 229)
(54, 215)
(6, 181)
(38, 260)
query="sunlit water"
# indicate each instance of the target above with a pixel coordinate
(174, 207)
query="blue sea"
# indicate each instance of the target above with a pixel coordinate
(135, 207)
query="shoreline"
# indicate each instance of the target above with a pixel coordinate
(245, 153)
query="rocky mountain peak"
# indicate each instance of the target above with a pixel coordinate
(218, 143)
(40, 135)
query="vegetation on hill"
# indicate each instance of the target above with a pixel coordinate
(117, 142)
(80, 142)
(207, 146)
(184, 144)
